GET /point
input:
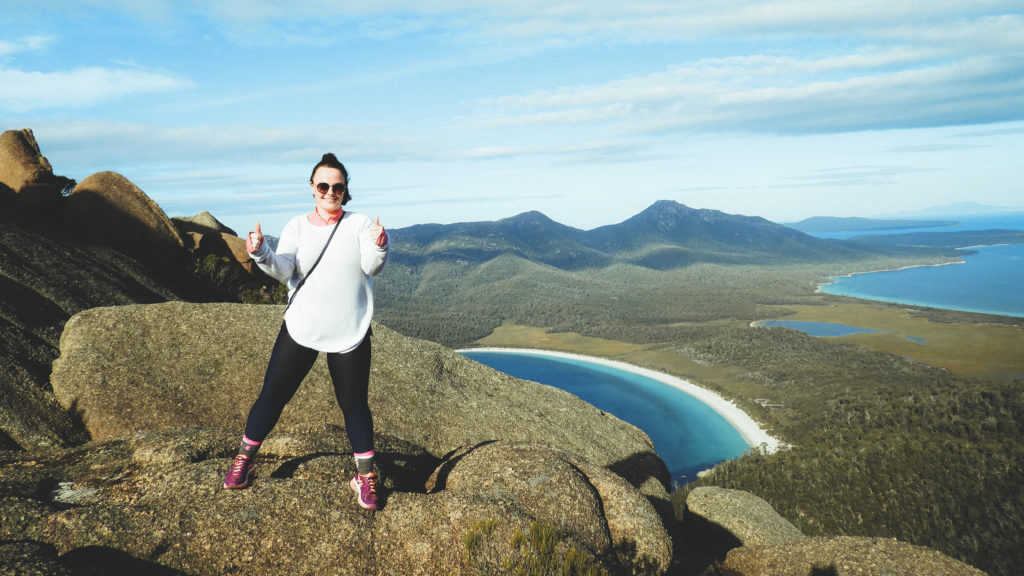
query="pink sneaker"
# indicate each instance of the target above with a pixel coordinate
(239, 473)
(365, 487)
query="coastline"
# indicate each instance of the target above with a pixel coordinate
(821, 285)
(968, 302)
(752, 433)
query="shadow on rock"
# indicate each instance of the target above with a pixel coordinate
(103, 561)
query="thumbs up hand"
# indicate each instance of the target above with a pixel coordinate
(377, 231)
(255, 240)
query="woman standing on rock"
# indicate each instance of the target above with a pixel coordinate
(331, 255)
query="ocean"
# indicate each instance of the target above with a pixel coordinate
(989, 281)
(688, 435)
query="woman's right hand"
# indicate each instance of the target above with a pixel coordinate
(255, 240)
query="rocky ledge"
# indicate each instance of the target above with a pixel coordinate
(480, 471)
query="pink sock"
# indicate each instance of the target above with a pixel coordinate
(248, 447)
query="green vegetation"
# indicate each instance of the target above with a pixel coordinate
(536, 552)
(457, 302)
(224, 278)
(946, 239)
(890, 438)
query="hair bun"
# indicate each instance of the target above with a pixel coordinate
(329, 157)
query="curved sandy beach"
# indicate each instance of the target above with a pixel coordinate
(750, 430)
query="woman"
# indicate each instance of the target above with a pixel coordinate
(328, 258)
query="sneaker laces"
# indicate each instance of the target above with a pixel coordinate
(371, 482)
(239, 465)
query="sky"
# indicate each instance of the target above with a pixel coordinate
(587, 111)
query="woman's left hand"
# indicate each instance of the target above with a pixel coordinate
(377, 231)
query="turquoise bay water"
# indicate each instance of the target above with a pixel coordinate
(991, 282)
(688, 434)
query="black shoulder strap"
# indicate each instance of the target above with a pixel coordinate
(313, 267)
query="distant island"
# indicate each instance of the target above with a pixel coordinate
(829, 224)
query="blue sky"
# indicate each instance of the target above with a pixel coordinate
(589, 112)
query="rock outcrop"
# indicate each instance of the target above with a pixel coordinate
(46, 276)
(205, 235)
(25, 174)
(204, 221)
(155, 497)
(108, 208)
(171, 365)
(725, 519)
(742, 535)
(480, 471)
(842, 556)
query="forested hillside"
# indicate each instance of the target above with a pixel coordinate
(882, 445)
(455, 283)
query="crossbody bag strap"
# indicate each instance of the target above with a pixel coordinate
(313, 267)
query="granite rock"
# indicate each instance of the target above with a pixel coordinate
(169, 365)
(108, 208)
(155, 496)
(26, 176)
(842, 556)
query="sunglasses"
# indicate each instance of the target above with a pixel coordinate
(338, 188)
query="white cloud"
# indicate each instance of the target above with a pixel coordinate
(877, 88)
(558, 22)
(554, 23)
(97, 145)
(26, 91)
(25, 44)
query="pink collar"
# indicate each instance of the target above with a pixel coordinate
(316, 219)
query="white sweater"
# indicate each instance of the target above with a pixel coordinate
(332, 312)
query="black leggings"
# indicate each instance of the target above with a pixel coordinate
(290, 362)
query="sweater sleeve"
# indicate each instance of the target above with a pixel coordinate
(280, 264)
(371, 256)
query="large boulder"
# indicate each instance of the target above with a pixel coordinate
(131, 368)
(565, 491)
(25, 174)
(842, 556)
(108, 208)
(742, 535)
(725, 519)
(46, 276)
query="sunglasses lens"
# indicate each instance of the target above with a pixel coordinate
(323, 187)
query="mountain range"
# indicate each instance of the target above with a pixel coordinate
(666, 235)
